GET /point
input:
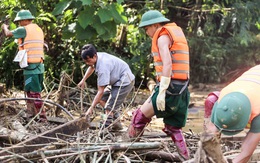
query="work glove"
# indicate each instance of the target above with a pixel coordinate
(164, 84)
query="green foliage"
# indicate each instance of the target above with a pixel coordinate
(61, 7)
(101, 18)
(232, 24)
(223, 35)
(82, 17)
(206, 59)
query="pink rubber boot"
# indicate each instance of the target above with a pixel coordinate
(139, 121)
(38, 105)
(178, 139)
(209, 103)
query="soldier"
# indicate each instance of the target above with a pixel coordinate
(30, 39)
(171, 96)
(236, 107)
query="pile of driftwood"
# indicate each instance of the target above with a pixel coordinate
(74, 141)
(79, 141)
(70, 137)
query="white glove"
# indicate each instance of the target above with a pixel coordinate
(164, 84)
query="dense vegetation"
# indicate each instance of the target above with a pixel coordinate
(223, 35)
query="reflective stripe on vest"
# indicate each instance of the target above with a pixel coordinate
(248, 84)
(33, 43)
(179, 52)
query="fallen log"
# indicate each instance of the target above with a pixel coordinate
(80, 150)
(68, 128)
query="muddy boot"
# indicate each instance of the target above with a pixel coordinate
(178, 139)
(38, 105)
(139, 121)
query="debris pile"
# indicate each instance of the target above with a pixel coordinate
(66, 138)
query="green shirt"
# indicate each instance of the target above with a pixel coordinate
(33, 68)
(19, 32)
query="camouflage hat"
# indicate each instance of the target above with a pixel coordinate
(24, 15)
(152, 17)
(231, 114)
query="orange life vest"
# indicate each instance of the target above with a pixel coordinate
(33, 43)
(248, 84)
(179, 51)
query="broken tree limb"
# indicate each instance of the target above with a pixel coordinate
(61, 92)
(206, 153)
(70, 127)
